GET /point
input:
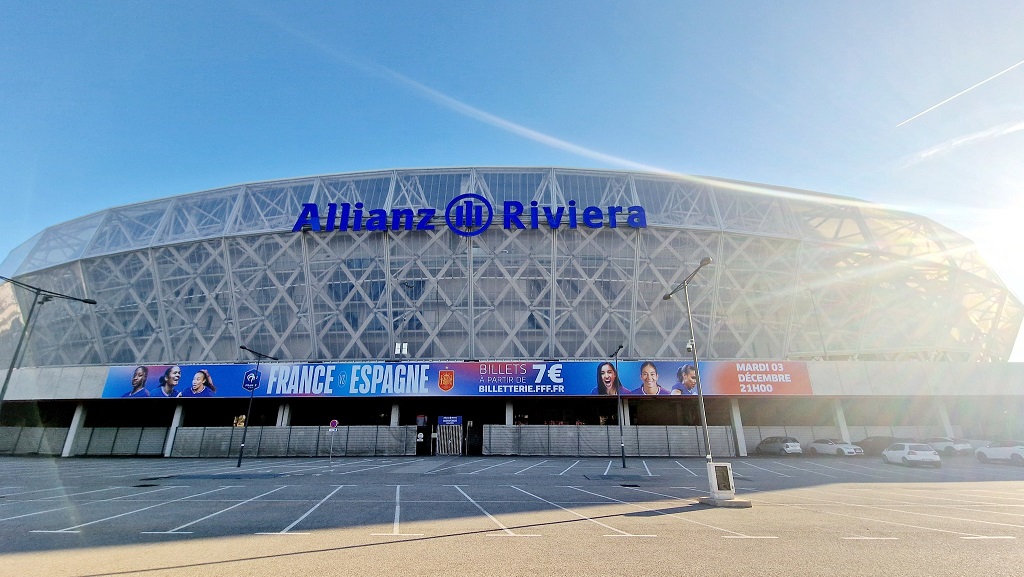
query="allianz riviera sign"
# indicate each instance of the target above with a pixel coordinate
(466, 215)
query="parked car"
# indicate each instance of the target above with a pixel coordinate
(1012, 451)
(778, 446)
(833, 447)
(949, 446)
(911, 454)
(875, 445)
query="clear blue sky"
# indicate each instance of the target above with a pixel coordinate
(110, 103)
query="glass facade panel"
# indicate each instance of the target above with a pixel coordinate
(189, 279)
(266, 208)
(675, 203)
(62, 243)
(198, 216)
(128, 228)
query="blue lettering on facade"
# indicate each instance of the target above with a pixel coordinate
(467, 215)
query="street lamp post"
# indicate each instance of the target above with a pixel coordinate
(693, 349)
(723, 489)
(39, 296)
(245, 426)
(618, 401)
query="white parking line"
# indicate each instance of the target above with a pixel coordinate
(61, 496)
(649, 473)
(732, 534)
(894, 510)
(398, 513)
(618, 532)
(888, 468)
(768, 470)
(491, 467)
(1015, 497)
(962, 505)
(306, 514)
(848, 516)
(507, 531)
(179, 528)
(455, 466)
(972, 535)
(686, 469)
(570, 467)
(382, 466)
(36, 491)
(530, 467)
(76, 505)
(325, 465)
(847, 471)
(806, 470)
(75, 528)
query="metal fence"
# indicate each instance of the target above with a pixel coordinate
(106, 441)
(32, 440)
(551, 440)
(294, 441)
(605, 441)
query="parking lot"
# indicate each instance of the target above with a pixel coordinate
(505, 515)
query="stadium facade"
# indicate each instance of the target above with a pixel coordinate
(489, 271)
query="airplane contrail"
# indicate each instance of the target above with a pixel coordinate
(961, 93)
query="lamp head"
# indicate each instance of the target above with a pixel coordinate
(705, 261)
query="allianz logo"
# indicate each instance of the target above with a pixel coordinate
(466, 215)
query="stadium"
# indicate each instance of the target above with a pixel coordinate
(421, 279)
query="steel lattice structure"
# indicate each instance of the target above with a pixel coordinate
(797, 275)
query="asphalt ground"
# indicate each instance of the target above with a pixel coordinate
(505, 516)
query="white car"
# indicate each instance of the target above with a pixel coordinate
(833, 447)
(949, 446)
(1012, 451)
(911, 454)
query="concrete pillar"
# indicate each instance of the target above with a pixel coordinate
(179, 411)
(284, 415)
(947, 426)
(737, 428)
(77, 422)
(509, 413)
(394, 414)
(840, 416)
(624, 404)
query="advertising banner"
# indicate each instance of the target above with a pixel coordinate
(458, 379)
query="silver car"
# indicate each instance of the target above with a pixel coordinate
(949, 446)
(779, 446)
(833, 447)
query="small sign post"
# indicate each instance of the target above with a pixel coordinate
(332, 430)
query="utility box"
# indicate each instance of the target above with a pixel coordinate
(720, 479)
